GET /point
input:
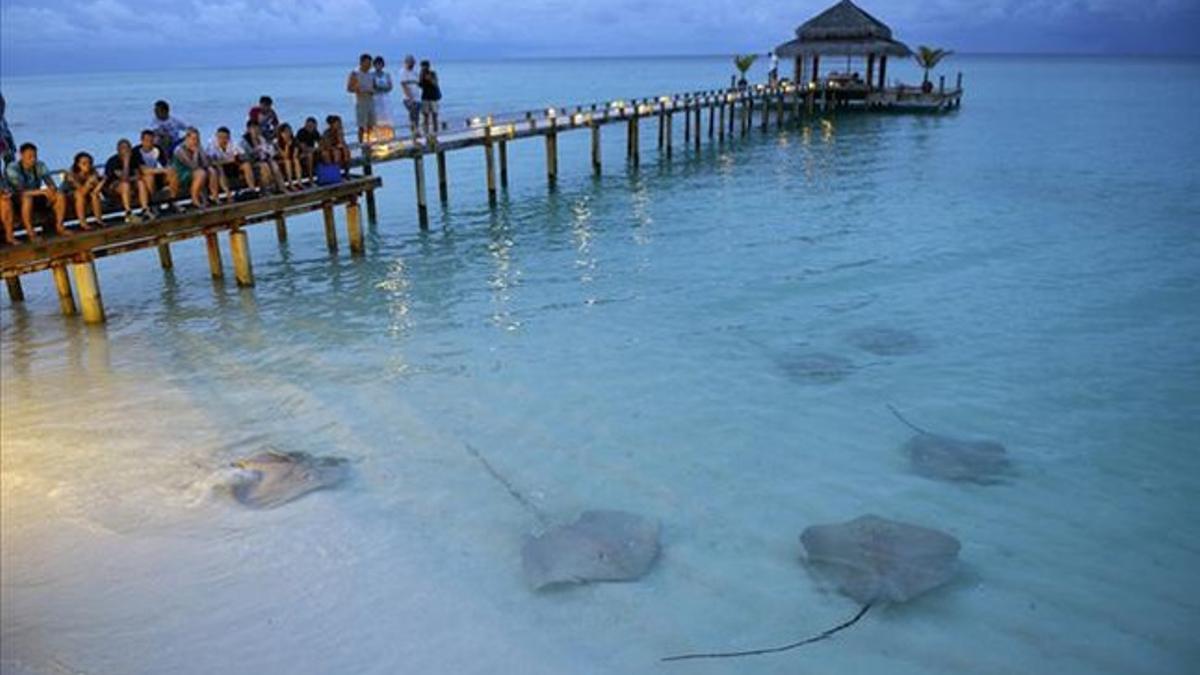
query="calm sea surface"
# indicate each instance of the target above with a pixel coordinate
(622, 343)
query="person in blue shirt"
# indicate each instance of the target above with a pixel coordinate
(31, 181)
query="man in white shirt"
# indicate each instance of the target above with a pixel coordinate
(229, 158)
(412, 93)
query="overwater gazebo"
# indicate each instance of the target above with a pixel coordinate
(843, 30)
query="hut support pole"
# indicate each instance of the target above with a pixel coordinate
(164, 256)
(870, 71)
(15, 292)
(422, 208)
(489, 162)
(239, 248)
(503, 145)
(89, 292)
(443, 184)
(596, 148)
(212, 246)
(62, 284)
(883, 72)
(330, 227)
(354, 228)
(281, 226)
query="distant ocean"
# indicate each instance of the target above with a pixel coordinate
(630, 341)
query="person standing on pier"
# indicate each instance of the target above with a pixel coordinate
(383, 102)
(361, 83)
(431, 93)
(412, 94)
(31, 180)
(122, 174)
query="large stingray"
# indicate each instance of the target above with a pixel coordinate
(885, 341)
(600, 545)
(271, 478)
(953, 459)
(872, 560)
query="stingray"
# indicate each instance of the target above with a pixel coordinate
(873, 561)
(815, 367)
(952, 459)
(273, 478)
(885, 341)
(599, 545)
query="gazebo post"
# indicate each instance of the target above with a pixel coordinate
(870, 71)
(816, 67)
(883, 72)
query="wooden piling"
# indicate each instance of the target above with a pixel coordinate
(422, 208)
(89, 291)
(552, 158)
(503, 146)
(214, 255)
(372, 213)
(721, 122)
(670, 131)
(15, 292)
(62, 284)
(164, 256)
(489, 156)
(443, 184)
(779, 110)
(712, 112)
(354, 229)
(330, 227)
(696, 136)
(632, 137)
(732, 114)
(239, 250)
(281, 226)
(687, 121)
(662, 124)
(595, 148)
(766, 112)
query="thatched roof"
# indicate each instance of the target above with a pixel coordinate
(843, 29)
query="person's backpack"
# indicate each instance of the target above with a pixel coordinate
(328, 174)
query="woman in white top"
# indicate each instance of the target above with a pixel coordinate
(383, 102)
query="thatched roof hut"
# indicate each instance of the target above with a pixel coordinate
(844, 29)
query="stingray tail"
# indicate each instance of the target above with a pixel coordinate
(508, 485)
(904, 420)
(782, 648)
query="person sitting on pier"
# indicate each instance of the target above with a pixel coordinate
(333, 144)
(6, 212)
(268, 120)
(230, 162)
(289, 157)
(31, 180)
(168, 130)
(431, 93)
(307, 140)
(82, 182)
(196, 170)
(361, 83)
(261, 153)
(122, 175)
(154, 165)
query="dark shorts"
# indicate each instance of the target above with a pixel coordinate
(232, 171)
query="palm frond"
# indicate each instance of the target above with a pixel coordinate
(744, 62)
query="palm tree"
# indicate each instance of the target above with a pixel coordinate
(928, 58)
(743, 63)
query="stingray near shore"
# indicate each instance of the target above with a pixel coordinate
(272, 478)
(953, 459)
(872, 560)
(599, 545)
(885, 341)
(815, 367)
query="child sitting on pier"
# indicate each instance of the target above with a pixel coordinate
(82, 182)
(122, 174)
(289, 157)
(154, 165)
(307, 140)
(333, 145)
(230, 163)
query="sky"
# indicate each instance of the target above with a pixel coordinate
(55, 36)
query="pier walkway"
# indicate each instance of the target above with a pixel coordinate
(716, 115)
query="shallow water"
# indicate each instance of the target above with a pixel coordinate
(617, 344)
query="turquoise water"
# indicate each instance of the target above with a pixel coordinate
(618, 344)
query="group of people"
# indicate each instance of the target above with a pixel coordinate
(170, 155)
(372, 85)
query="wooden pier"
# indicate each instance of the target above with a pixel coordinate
(731, 114)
